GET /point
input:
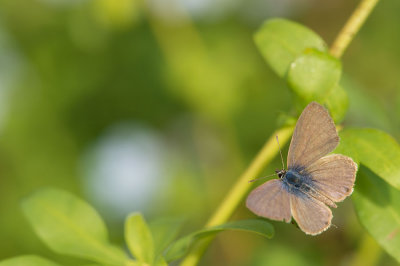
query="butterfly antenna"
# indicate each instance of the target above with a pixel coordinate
(280, 151)
(260, 178)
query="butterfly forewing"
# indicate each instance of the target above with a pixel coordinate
(270, 200)
(314, 136)
(333, 176)
(311, 215)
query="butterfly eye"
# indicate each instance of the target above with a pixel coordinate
(280, 173)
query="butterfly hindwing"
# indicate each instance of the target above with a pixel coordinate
(311, 215)
(333, 176)
(270, 200)
(314, 136)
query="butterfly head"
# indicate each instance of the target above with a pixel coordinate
(280, 173)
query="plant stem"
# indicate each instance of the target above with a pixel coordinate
(240, 189)
(351, 27)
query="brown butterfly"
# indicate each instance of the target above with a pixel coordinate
(313, 181)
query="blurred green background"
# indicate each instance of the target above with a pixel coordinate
(157, 106)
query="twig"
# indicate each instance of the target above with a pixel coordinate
(352, 27)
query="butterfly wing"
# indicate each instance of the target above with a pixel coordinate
(312, 216)
(334, 176)
(270, 200)
(314, 136)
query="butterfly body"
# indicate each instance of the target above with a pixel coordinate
(313, 181)
(301, 184)
(294, 180)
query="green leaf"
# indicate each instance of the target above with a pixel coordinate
(70, 226)
(139, 238)
(281, 41)
(179, 248)
(313, 75)
(28, 260)
(337, 102)
(164, 231)
(375, 149)
(378, 208)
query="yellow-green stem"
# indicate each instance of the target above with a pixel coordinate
(351, 27)
(240, 189)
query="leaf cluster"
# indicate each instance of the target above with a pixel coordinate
(70, 226)
(300, 56)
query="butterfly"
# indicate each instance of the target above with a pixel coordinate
(313, 180)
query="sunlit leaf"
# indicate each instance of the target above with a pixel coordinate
(375, 149)
(378, 208)
(70, 226)
(164, 231)
(181, 246)
(28, 260)
(139, 238)
(313, 75)
(281, 41)
(337, 102)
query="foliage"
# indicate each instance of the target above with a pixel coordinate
(180, 247)
(221, 83)
(377, 193)
(300, 55)
(70, 226)
(314, 75)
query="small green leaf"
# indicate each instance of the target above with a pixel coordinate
(70, 226)
(181, 246)
(28, 260)
(139, 238)
(313, 75)
(281, 41)
(337, 102)
(375, 149)
(378, 208)
(164, 231)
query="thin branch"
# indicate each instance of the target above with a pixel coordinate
(352, 27)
